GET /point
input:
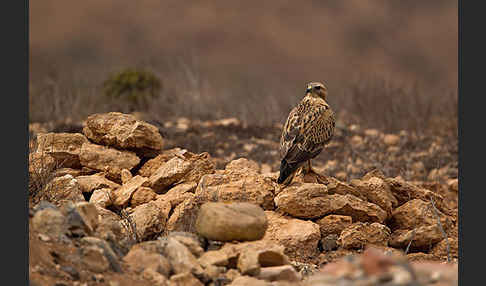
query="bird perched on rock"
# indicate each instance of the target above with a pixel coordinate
(309, 126)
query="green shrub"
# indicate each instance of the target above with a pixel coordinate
(134, 85)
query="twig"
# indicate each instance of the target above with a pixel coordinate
(441, 229)
(411, 239)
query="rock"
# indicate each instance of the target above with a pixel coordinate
(140, 260)
(107, 251)
(250, 188)
(214, 257)
(453, 185)
(300, 238)
(181, 259)
(335, 186)
(155, 277)
(93, 259)
(94, 182)
(361, 234)
(153, 164)
(391, 139)
(123, 195)
(372, 132)
(312, 201)
(333, 224)
(64, 148)
(416, 213)
(149, 220)
(82, 218)
(177, 170)
(405, 191)
(190, 241)
(329, 242)
(101, 197)
(184, 216)
(169, 174)
(242, 166)
(184, 279)
(232, 274)
(142, 195)
(306, 200)
(109, 223)
(279, 273)
(440, 249)
(178, 194)
(125, 176)
(234, 221)
(106, 159)
(378, 192)
(356, 141)
(422, 237)
(123, 131)
(248, 263)
(373, 173)
(50, 222)
(248, 281)
(68, 171)
(61, 190)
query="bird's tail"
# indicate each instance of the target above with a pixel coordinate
(287, 172)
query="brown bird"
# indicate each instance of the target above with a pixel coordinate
(309, 127)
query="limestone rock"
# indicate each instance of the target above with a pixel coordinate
(93, 182)
(123, 131)
(251, 188)
(108, 160)
(416, 213)
(93, 259)
(440, 249)
(142, 195)
(153, 164)
(50, 222)
(248, 281)
(405, 191)
(234, 221)
(333, 224)
(123, 195)
(184, 279)
(181, 259)
(300, 238)
(361, 234)
(178, 194)
(155, 277)
(422, 237)
(107, 251)
(149, 220)
(62, 189)
(125, 176)
(378, 192)
(178, 170)
(190, 240)
(82, 218)
(279, 273)
(139, 260)
(64, 148)
(184, 215)
(101, 197)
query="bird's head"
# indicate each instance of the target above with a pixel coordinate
(316, 89)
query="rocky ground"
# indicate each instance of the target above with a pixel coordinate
(119, 200)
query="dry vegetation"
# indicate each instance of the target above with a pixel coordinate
(388, 65)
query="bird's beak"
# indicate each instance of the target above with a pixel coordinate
(309, 88)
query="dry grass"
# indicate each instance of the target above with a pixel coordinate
(384, 68)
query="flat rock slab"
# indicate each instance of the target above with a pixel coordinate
(123, 131)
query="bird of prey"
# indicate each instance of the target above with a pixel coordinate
(309, 127)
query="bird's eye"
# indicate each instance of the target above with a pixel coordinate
(318, 87)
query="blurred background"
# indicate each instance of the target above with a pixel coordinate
(390, 65)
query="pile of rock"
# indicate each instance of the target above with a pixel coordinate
(170, 216)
